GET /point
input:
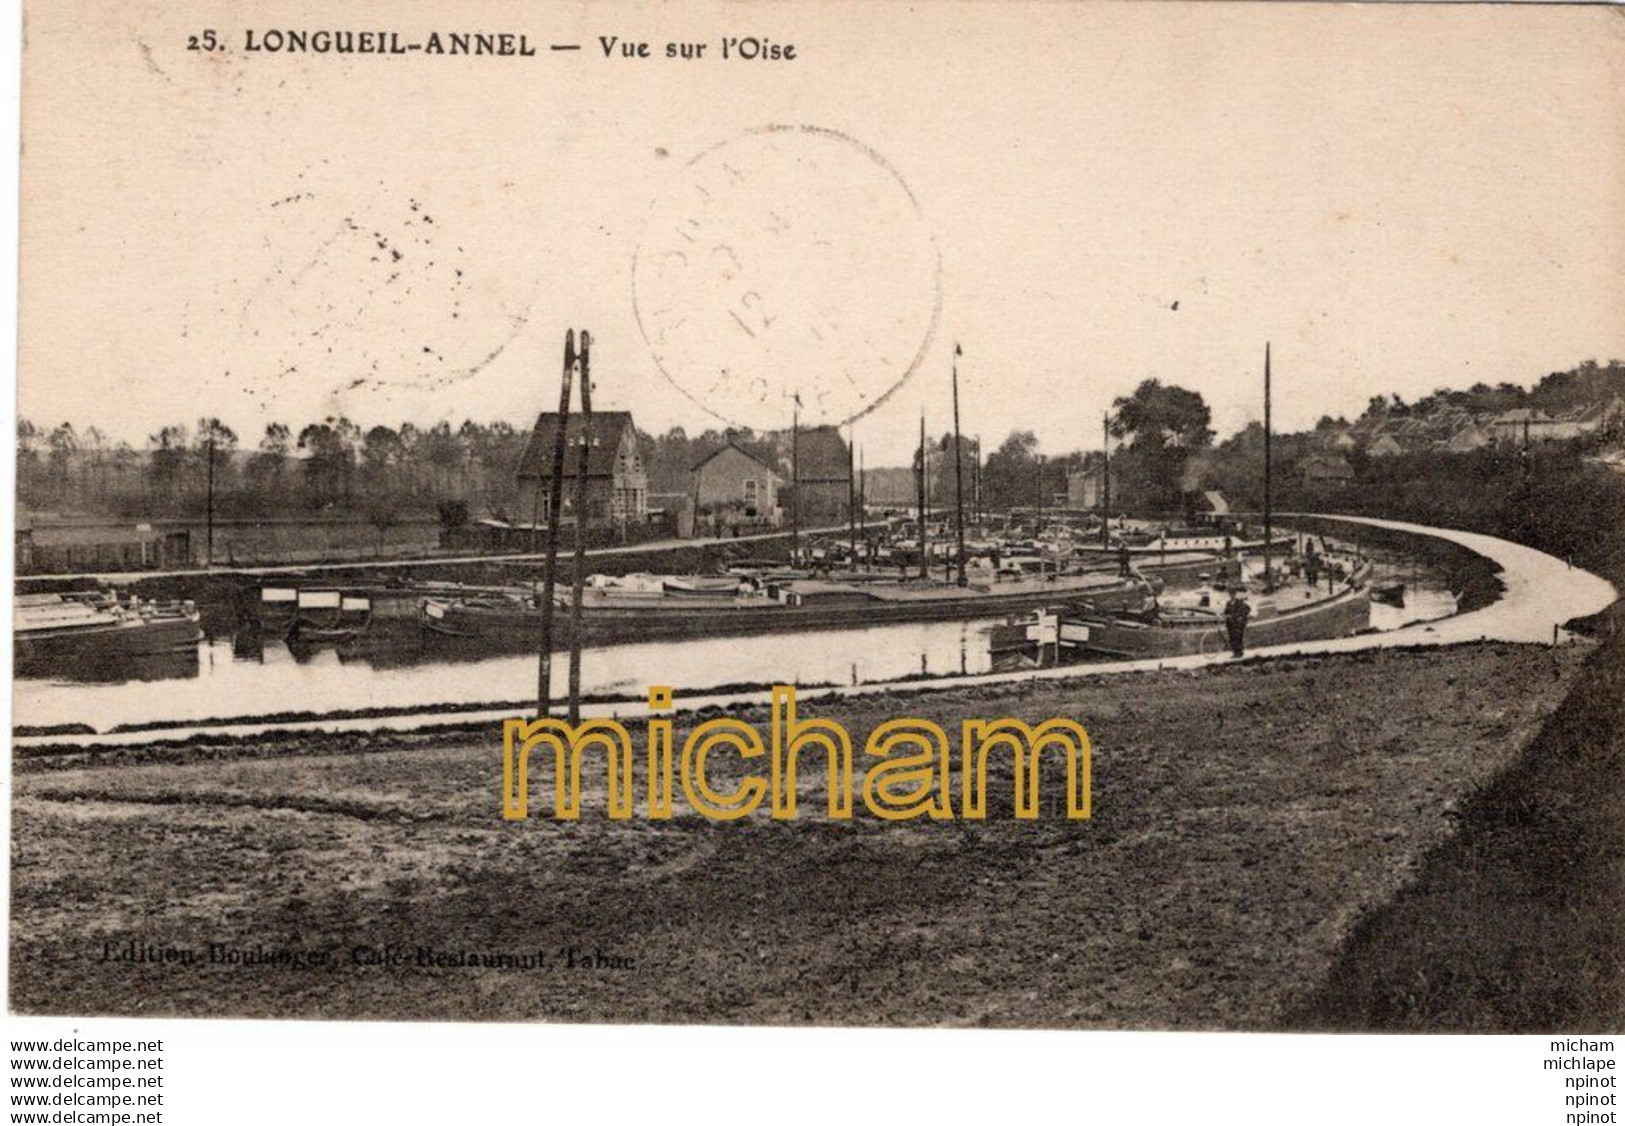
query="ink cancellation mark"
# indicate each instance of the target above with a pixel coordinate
(789, 269)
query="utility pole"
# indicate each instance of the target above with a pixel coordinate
(920, 487)
(555, 498)
(578, 569)
(959, 474)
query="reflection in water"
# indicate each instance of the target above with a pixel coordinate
(325, 679)
(398, 667)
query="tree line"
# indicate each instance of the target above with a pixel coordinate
(1161, 433)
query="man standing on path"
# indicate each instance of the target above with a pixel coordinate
(1236, 613)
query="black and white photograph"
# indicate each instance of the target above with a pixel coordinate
(1076, 516)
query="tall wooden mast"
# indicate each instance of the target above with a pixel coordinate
(795, 481)
(851, 498)
(1269, 581)
(919, 485)
(1105, 479)
(959, 474)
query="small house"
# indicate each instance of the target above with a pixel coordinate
(735, 486)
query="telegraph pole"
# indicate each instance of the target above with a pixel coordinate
(959, 473)
(555, 498)
(578, 570)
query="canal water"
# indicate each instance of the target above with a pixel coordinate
(234, 678)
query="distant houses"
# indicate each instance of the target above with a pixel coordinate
(1326, 470)
(1452, 429)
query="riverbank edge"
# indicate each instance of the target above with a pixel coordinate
(1516, 922)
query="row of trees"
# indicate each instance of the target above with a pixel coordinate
(1558, 391)
(1162, 433)
(327, 466)
(334, 466)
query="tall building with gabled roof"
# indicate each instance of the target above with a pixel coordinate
(617, 484)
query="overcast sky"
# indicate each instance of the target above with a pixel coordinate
(1082, 196)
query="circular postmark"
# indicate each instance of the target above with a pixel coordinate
(788, 269)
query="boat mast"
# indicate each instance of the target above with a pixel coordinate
(1269, 582)
(863, 507)
(1105, 478)
(578, 570)
(919, 485)
(959, 473)
(979, 512)
(851, 499)
(208, 556)
(555, 501)
(795, 481)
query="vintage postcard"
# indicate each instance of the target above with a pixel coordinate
(1091, 515)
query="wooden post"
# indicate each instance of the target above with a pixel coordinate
(555, 498)
(578, 575)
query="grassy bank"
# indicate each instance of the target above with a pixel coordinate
(1516, 923)
(1245, 817)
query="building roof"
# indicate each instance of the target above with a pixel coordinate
(821, 456)
(708, 458)
(1327, 466)
(607, 429)
(1520, 415)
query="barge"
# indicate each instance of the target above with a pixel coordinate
(614, 612)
